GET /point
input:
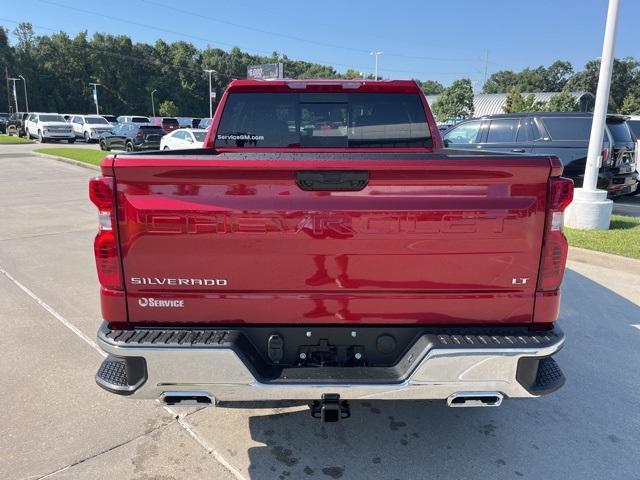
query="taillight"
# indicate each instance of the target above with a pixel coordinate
(555, 246)
(105, 245)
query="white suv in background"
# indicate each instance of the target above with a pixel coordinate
(90, 127)
(133, 119)
(48, 126)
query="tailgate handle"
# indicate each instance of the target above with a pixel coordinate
(332, 180)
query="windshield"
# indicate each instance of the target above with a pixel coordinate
(152, 129)
(620, 132)
(51, 118)
(634, 125)
(199, 136)
(334, 120)
(170, 121)
(96, 121)
(139, 119)
(109, 118)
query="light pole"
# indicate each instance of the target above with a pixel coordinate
(210, 93)
(15, 95)
(153, 105)
(376, 54)
(590, 209)
(95, 96)
(26, 99)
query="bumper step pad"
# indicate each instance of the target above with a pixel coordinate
(122, 375)
(549, 377)
(540, 376)
(113, 371)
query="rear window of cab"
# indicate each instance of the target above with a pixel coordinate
(323, 120)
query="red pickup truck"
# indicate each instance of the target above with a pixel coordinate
(324, 247)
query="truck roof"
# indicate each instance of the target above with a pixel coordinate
(324, 85)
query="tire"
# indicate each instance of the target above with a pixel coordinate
(165, 148)
(87, 138)
(103, 147)
(71, 140)
(129, 147)
(41, 139)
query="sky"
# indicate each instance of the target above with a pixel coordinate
(439, 40)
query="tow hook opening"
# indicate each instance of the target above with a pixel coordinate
(186, 398)
(475, 399)
(330, 409)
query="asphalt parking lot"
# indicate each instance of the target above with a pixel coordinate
(59, 424)
(629, 206)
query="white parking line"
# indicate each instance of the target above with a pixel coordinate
(55, 314)
(203, 443)
(179, 418)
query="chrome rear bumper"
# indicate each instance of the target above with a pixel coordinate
(447, 366)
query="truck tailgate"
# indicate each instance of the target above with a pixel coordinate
(232, 238)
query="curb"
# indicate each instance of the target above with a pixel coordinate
(607, 260)
(67, 160)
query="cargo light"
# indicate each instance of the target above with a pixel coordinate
(555, 246)
(105, 245)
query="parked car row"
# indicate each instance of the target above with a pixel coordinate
(133, 137)
(90, 128)
(565, 135)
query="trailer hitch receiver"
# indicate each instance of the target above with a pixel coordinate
(330, 408)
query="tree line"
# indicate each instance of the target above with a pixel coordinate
(457, 100)
(59, 68)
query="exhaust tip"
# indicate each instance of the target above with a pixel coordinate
(475, 399)
(186, 398)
